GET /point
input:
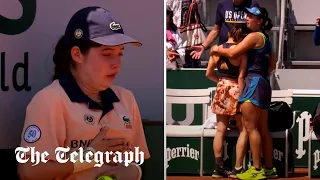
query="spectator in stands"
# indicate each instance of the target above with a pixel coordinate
(82, 108)
(225, 102)
(316, 34)
(228, 12)
(180, 9)
(175, 52)
(256, 95)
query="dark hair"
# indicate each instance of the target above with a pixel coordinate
(236, 34)
(62, 56)
(172, 26)
(267, 22)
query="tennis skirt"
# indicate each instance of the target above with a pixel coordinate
(225, 101)
(257, 90)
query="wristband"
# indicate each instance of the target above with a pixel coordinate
(203, 47)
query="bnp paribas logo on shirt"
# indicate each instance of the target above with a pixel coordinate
(235, 16)
(17, 26)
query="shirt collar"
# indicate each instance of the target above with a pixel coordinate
(75, 94)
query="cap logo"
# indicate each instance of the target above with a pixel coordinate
(78, 33)
(114, 26)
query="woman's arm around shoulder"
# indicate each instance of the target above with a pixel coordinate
(251, 41)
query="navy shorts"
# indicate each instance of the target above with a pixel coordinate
(257, 90)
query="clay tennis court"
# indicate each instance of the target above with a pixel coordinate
(300, 173)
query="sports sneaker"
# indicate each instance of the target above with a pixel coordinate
(220, 172)
(234, 173)
(252, 173)
(271, 173)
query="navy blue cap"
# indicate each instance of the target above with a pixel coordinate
(98, 25)
(254, 10)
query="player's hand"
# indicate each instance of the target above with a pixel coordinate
(102, 144)
(197, 52)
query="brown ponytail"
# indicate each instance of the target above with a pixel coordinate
(267, 22)
(236, 34)
(267, 26)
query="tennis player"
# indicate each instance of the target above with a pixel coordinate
(225, 102)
